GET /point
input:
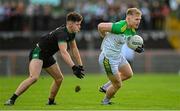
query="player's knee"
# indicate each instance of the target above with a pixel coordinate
(117, 84)
(129, 75)
(59, 80)
(33, 79)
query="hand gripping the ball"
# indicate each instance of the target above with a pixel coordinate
(77, 71)
(140, 49)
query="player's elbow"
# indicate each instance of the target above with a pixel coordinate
(105, 27)
(59, 80)
(100, 26)
(63, 52)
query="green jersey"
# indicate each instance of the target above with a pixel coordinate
(121, 28)
(113, 41)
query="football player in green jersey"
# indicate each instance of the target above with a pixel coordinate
(112, 61)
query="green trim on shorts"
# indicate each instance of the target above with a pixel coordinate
(107, 66)
(59, 42)
(35, 54)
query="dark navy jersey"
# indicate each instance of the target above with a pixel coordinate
(49, 42)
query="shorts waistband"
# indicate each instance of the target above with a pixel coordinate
(37, 46)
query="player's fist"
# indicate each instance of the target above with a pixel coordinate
(140, 49)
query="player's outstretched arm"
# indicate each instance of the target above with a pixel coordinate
(65, 55)
(103, 28)
(75, 52)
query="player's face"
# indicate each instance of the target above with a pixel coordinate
(135, 21)
(76, 26)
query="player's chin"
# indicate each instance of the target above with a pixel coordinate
(136, 26)
(77, 31)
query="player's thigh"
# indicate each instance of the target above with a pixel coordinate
(111, 69)
(35, 67)
(55, 71)
(114, 78)
(126, 70)
(109, 66)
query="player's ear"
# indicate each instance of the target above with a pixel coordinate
(70, 24)
(127, 18)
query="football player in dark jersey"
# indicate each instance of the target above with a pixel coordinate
(41, 56)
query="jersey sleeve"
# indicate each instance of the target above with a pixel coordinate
(72, 37)
(119, 27)
(61, 38)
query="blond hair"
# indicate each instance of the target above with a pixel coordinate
(133, 11)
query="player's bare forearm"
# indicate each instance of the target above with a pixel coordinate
(103, 28)
(67, 58)
(75, 52)
(65, 55)
(77, 56)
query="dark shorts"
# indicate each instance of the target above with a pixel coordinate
(36, 53)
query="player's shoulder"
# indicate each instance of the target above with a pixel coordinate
(122, 22)
(58, 30)
(120, 26)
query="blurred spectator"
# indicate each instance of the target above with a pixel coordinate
(146, 16)
(24, 16)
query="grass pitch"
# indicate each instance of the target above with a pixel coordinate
(143, 91)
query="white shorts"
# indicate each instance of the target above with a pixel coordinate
(111, 66)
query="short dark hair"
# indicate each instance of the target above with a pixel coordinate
(74, 17)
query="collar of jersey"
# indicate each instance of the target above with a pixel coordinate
(67, 30)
